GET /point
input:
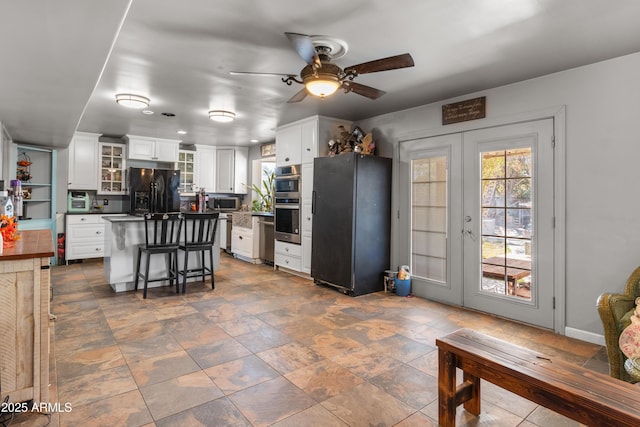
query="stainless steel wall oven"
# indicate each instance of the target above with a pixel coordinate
(287, 204)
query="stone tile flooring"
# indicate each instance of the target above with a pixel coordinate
(267, 348)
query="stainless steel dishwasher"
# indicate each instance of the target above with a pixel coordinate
(267, 241)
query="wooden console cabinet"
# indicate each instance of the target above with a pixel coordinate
(24, 317)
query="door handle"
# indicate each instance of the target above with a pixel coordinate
(313, 202)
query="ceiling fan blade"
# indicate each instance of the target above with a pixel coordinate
(391, 63)
(250, 73)
(299, 96)
(304, 46)
(368, 91)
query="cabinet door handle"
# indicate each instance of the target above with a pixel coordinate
(308, 149)
(286, 261)
(240, 237)
(308, 218)
(286, 249)
(98, 232)
(286, 159)
(83, 219)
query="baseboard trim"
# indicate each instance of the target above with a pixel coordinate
(584, 335)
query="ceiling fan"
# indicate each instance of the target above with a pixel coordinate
(321, 77)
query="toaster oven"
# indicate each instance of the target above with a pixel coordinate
(78, 201)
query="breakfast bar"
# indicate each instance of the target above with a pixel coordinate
(24, 318)
(122, 236)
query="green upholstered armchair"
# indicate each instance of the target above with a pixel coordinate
(615, 311)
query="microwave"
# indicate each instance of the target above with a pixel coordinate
(226, 204)
(78, 201)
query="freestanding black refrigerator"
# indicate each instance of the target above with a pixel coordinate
(351, 222)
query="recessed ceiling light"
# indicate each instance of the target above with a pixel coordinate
(222, 116)
(130, 100)
(147, 112)
(253, 140)
(182, 132)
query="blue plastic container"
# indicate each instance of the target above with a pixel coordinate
(403, 287)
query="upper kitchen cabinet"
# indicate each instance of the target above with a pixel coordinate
(205, 168)
(231, 170)
(153, 149)
(83, 161)
(288, 145)
(186, 165)
(302, 141)
(112, 168)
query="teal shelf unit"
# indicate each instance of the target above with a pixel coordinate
(40, 208)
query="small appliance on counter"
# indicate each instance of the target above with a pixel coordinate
(78, 202)
(226, 204)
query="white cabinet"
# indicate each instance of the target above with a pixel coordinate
(306, 216)
(154, 149)
(186, 165)
(205, 168)
(84, 237)
(245, 242)
(288, 255)
(112, 168)
(231, 170)
(83, 161)
(288, 145)
(222, 232)
(299, 143)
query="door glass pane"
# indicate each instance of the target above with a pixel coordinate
(507, 226)
(429, 218)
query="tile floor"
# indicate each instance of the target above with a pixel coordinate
(267, 348)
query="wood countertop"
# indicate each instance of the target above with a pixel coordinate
(32, 244)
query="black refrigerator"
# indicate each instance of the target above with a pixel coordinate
(351, 234)
(153, 190)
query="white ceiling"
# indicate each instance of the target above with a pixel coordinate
(179, 54)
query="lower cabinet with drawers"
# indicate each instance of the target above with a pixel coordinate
(84, 236)
(288, 255)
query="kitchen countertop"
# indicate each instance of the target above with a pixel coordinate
(267, 214)
(32, 244)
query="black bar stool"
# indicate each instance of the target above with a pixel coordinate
(200, 234)
(162, 236)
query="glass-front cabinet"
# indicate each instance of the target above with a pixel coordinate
(112, 167)
(186, 165)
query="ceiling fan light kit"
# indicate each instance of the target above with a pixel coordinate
(130, 100)
(222, 116)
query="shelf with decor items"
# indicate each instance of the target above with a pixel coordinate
(39, 201)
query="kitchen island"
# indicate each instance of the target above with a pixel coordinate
(24, 317)
(122, 236)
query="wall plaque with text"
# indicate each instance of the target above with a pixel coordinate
(463, 111)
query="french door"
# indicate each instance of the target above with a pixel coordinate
(481, 219)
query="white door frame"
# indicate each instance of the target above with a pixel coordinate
(400, 216)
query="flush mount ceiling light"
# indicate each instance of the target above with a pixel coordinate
(222, 116)
(132, 101)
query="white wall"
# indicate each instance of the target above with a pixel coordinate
(602, 168)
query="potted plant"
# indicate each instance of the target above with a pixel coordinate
(264, 202)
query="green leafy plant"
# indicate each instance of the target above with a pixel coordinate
(264, 202)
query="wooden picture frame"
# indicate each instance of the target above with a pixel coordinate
(268, 150)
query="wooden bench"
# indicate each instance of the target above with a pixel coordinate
(578, 393)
